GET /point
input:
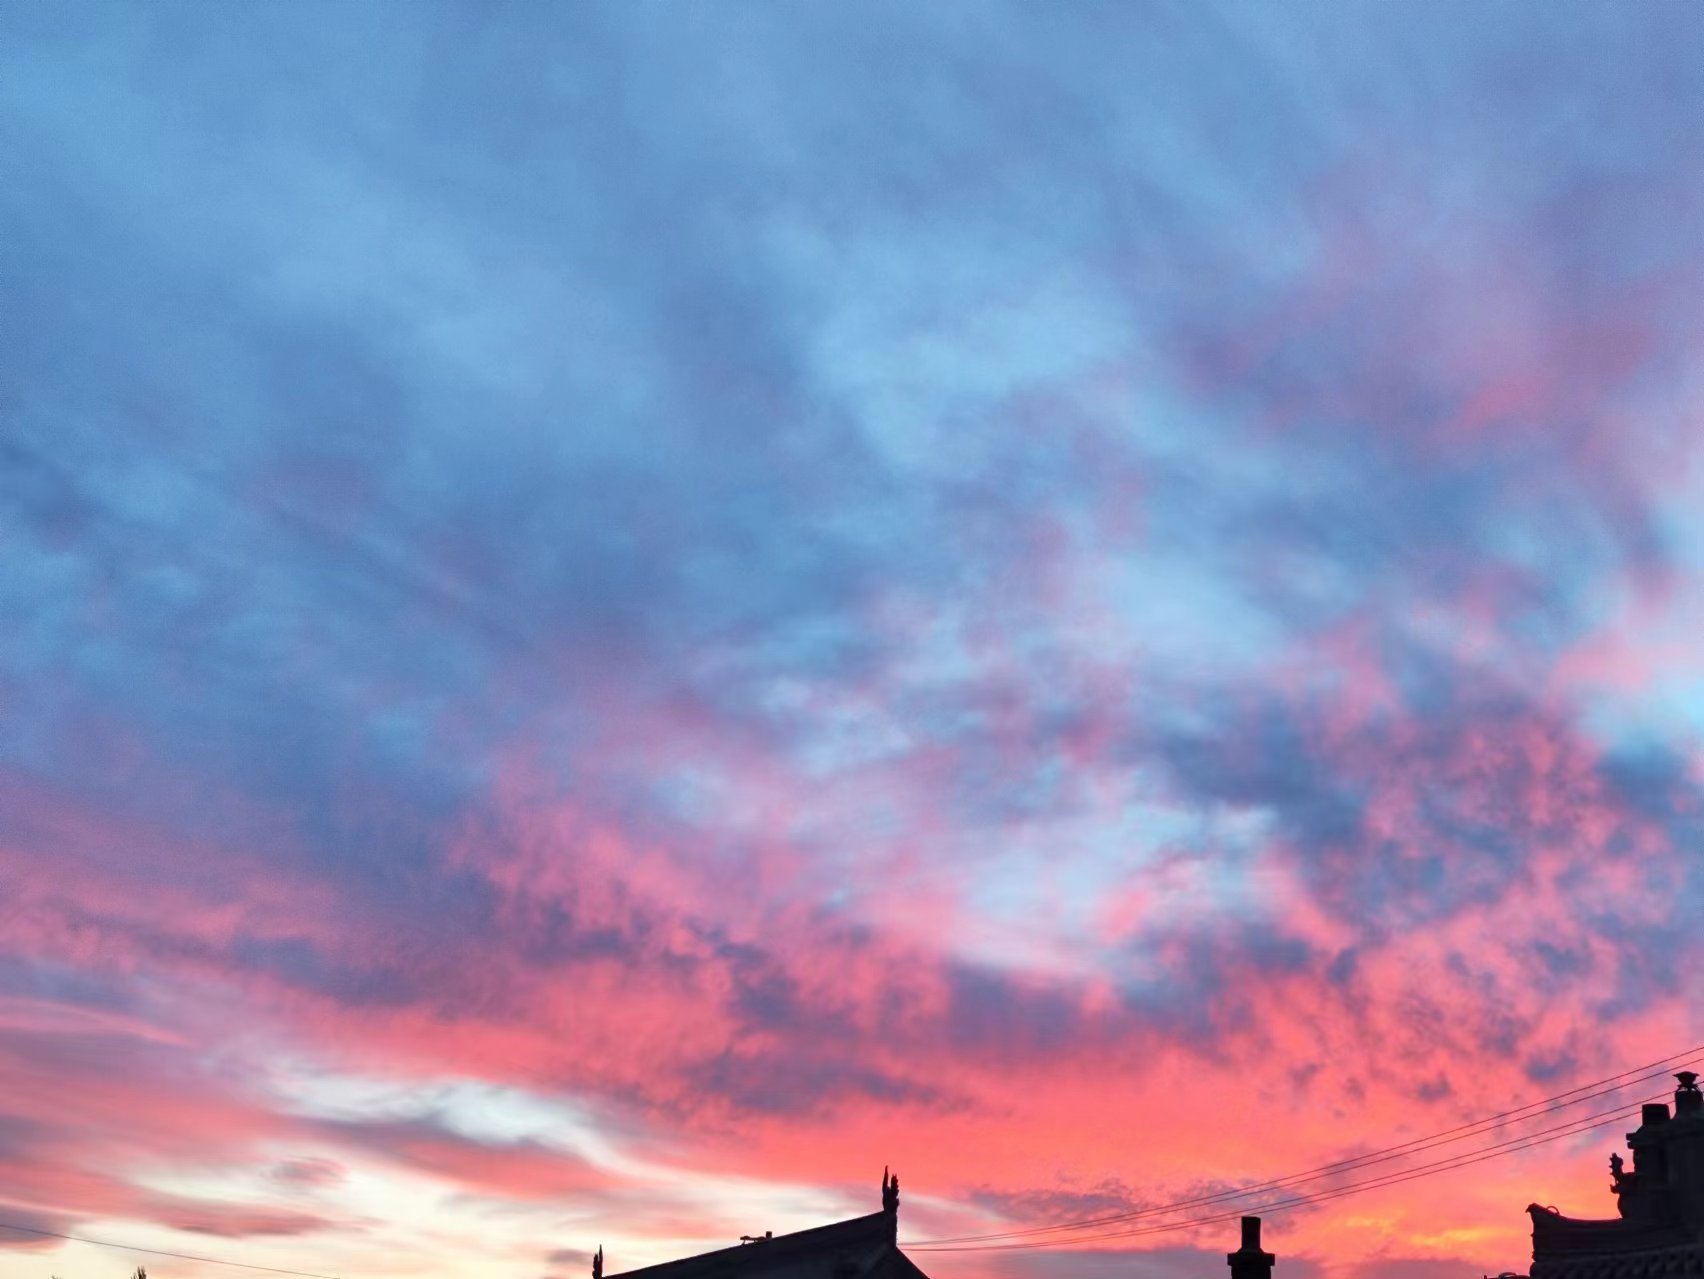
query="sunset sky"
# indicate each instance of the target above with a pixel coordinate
(613, 616)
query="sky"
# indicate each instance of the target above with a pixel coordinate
(614, 616)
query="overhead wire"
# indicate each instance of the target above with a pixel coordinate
(1447, 1136)
(1462, 1132)
(162, 1252)
(1025, 1240)
(1572, 1128)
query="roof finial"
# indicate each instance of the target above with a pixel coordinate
(890, 1192)
(597, 1263)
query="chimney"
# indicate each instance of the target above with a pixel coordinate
(1248, 1261)
(1687, 1099)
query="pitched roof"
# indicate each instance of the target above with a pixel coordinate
(859, 1248)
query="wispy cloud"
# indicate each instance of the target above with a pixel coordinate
(1083, 605)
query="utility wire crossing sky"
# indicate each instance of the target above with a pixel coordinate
(1002, 1241)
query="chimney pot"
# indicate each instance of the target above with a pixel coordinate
(1687, 1099)
(1249, 1261)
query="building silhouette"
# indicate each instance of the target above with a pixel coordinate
(859, 1248)
(1660, 1229)
(1658, 1233)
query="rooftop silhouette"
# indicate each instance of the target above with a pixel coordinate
(858, 1248)
(1660, 1229)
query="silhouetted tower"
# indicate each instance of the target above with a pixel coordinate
(1248, 1261)
(1660, 1226)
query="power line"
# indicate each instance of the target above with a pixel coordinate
(1496, 1151)
(1390, 1179)
(161, 1252)
(1462, 1132)
(1023, 1240)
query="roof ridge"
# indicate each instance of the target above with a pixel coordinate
(853, 1227)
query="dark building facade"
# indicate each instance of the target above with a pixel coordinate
(1660, 1229)
(861, 1248)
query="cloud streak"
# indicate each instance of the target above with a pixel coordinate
(612, 620)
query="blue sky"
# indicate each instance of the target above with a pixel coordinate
(614, 615)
